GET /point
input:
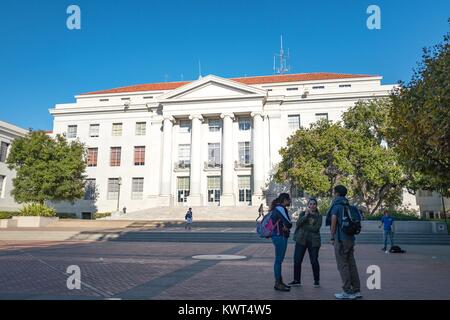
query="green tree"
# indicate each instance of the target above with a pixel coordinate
(370, 118)
(47, 169)
(318, 158)
(420, 120)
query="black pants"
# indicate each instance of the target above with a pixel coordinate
(299, 253)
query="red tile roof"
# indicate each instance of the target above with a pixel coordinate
(247, 80)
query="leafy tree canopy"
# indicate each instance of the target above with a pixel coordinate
(47, 169)
(420, 120)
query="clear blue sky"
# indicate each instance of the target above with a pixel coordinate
(127, 42)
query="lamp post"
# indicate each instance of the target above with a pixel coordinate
(118, 194)
(443, 206)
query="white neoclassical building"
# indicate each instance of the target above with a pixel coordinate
(8, 133)
(207, 142)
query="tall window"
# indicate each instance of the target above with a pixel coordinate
(185, 126)
(213, 154)
(214, 125)
(140, 128)
(117, 129)
(294, 121)
(182, 188)
(213, 189)
(244, 124)
(139, 156)
(92, 156)
(245, 193)
(115, 156)
(184, 155)
(72, 131)
(2, 181)
(137, 188)
(244, 152)
(113, 188)
(90, 189)
(94, 130)
(4, 151)
(320, 116)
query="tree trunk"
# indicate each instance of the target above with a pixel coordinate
(383, 190)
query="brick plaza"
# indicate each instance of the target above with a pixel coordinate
(154, 270)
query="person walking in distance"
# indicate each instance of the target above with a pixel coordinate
(188, 218)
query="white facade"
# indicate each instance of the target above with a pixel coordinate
(196, 130)
(431, 204)
(8, 133)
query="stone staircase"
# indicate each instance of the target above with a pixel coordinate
(251, 237)
(205, 213)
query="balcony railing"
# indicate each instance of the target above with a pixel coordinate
(212, 165)
(240, 165)
(182, 164)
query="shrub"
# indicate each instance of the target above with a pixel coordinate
(37, 209)
(65, 215)
(399, 214)
(8, 214)
(99, 215)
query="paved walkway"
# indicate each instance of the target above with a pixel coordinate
(125, 270)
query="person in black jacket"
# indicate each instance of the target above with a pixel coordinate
(282, 221)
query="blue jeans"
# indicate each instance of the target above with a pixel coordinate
(280, 244)
(390, 234)
(299, 253)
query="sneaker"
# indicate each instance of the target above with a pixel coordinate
(280, 287)
(284, 284)
(357, 295)
(295, 283)
(344, 296)
(316, 284)
(383, 249)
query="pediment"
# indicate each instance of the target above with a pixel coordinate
(212, 87)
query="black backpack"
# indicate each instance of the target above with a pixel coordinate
(351, 221)
(396, 249)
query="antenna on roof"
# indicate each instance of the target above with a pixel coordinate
(199, 69)
(283, 68)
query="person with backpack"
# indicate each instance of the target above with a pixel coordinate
(282, 224)
(188, 218)
(307, 237)
(388, 223)
(344, 224)
(261, 211)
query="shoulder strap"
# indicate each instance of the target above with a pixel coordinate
(283, 213)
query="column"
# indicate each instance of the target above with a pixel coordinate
(228, 196)
(258, 164)
(195, 195)
(166, 163)
(274, 138)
